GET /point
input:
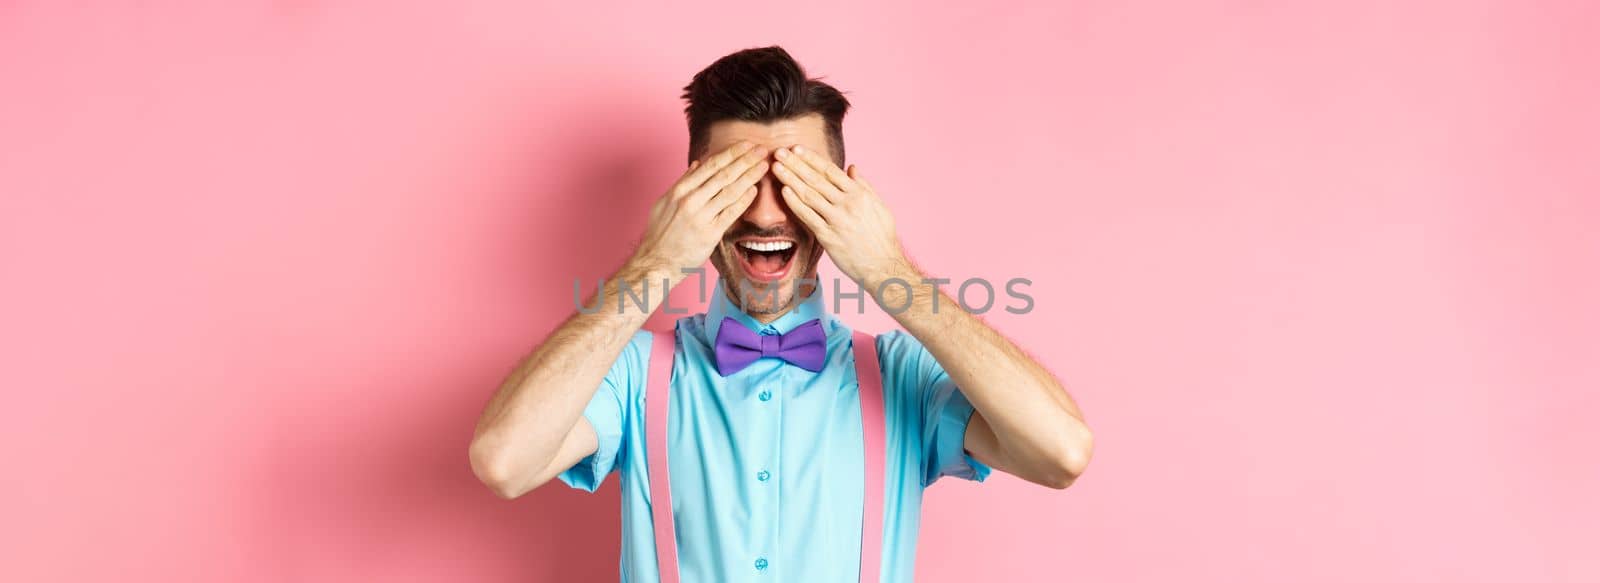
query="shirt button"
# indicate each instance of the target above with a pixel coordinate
(763, 475)
(766, 395)
(761, 563)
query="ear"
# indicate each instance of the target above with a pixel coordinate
(856, 176)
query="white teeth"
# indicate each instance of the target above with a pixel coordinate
(766, 246)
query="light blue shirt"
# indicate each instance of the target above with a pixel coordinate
(767, 462)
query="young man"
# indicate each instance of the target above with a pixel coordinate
(765, 432)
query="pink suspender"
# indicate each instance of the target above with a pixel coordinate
(655, 404)
(655, 425)
(871, 380)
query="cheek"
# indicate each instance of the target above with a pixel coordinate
(725, 256)
(719, 256)
(806, 260)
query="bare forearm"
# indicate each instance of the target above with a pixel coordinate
(1039, 431)
(1037, 424)
(541, 400)
(525, 424)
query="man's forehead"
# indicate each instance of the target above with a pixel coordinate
(808, 131)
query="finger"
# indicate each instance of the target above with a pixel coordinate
(826, 168)
(735, 208)
(813, 199)
(712, 165)
(792, 176)
(796, 165)
(672, 193)
(825, 195)
(807, 214)
(745, 181)
(732, 172)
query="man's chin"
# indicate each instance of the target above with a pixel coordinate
(762, 297)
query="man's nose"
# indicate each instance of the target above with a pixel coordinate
(768, 208)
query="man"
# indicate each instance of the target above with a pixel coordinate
(766, 452)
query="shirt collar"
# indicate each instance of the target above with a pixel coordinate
(721, 307)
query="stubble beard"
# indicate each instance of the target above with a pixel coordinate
(759, 298)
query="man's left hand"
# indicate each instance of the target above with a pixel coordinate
(844, 212)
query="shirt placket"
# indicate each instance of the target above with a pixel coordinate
(764, 476)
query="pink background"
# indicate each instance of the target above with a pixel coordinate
(1322, 277)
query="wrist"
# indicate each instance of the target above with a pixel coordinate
(895, 270)
(651, 268)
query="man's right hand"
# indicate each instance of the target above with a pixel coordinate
(689, 220)
(533, 428)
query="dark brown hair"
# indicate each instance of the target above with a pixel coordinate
(761, 85)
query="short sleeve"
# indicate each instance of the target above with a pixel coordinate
(949, 412)
(608, 412)
(945, 410)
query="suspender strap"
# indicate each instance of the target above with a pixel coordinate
(869, 377)
(655, 426)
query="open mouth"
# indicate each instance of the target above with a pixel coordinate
(765, 260)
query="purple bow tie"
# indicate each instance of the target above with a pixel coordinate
(806, 346)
